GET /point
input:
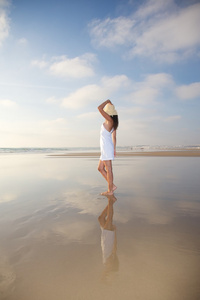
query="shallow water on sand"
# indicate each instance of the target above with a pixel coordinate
(50, 237)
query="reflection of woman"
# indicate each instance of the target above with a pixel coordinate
(108, 143)
(108, 239)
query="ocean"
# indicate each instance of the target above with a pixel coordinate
(62, 150)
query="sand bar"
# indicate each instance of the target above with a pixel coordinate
(178, 153)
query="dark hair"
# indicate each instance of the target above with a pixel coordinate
(115, 121)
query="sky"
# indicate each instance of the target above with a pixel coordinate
(59, 60)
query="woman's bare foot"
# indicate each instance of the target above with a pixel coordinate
(114, 187)
(107, 193)
(112, 198)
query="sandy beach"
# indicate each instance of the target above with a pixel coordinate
(50, 235)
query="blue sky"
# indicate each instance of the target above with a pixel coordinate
(60, 59)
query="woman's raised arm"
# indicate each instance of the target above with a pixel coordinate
(101, 110)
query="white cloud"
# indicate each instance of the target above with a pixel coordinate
(52, 100)
(144, 92)
(186, 92)
(7, 103)
(145, 95)
(35, 133)
(131, 111)
(4, 21)
(172, 118)
(158, 29)
(111, 32)
(154, 6)
(53, 122)
(41, 64)
(52, 126)
(93, 93)
(22, 42)
(4, 3)
(159, 80)
(77, 67)
(64, 67)
(147, 91)
(88, 116)
(115, 82)
(166, 37)
(84, 96)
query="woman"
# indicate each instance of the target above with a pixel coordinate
(108, 143)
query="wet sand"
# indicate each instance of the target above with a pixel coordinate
(176, 153)
(50, 236)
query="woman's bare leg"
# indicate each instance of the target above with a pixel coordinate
(102, 217)
(102, 169)
(106, 217)
(108, 167)
(109, 221)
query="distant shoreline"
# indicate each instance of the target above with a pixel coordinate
(175, 153)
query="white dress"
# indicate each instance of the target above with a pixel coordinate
(106, 144)
(107, 243)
